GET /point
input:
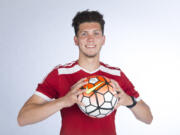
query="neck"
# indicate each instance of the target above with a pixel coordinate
(90, 64)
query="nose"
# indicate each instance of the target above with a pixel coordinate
(90, 37)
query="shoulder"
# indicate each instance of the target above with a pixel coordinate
(66, 65)
(110, 69)
(66, 68)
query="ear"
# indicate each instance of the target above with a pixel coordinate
(76, 40)
(104, 38)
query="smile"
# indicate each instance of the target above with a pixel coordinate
(90, 46)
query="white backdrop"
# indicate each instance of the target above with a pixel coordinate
(142, 38)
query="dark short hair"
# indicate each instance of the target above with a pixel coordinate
(87, 16)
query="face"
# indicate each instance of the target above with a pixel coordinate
(89, 39)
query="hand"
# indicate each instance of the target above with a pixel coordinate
(71, 97)
(123, 98)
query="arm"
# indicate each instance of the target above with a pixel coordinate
(140, 110)
(37, 109)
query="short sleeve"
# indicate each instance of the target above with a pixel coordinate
(48, 88)
(128, 87)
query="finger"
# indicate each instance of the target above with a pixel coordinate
(118, 88)
(80, 91)
(118, 97)
(80, 81)
(115, 83)
(80, 103)
(121, 95)
(78, 86)
(117, 105)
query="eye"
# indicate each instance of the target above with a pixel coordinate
(97, 33)
(83, 34)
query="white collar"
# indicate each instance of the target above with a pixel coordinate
(89, 71)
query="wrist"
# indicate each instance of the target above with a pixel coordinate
(61, 103)
(134, 102)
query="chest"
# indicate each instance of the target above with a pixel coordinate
(65, 82)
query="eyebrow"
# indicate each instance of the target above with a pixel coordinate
(87, 30)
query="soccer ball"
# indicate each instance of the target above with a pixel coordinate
(99, 99)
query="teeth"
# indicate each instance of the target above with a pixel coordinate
(90, 46)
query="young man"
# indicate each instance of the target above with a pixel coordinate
(64, 81)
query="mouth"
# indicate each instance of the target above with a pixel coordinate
(90, 46)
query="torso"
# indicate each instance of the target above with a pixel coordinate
(74, 121)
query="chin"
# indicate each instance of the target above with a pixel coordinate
(90, 55)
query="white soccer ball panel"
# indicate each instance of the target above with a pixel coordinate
(86, 101)
(95, 113)
(105, 112)
(90, 108)
(93, 80)
(106, 105)
(101, 116)
(114, 101)
(108, 96)
(82, 108)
